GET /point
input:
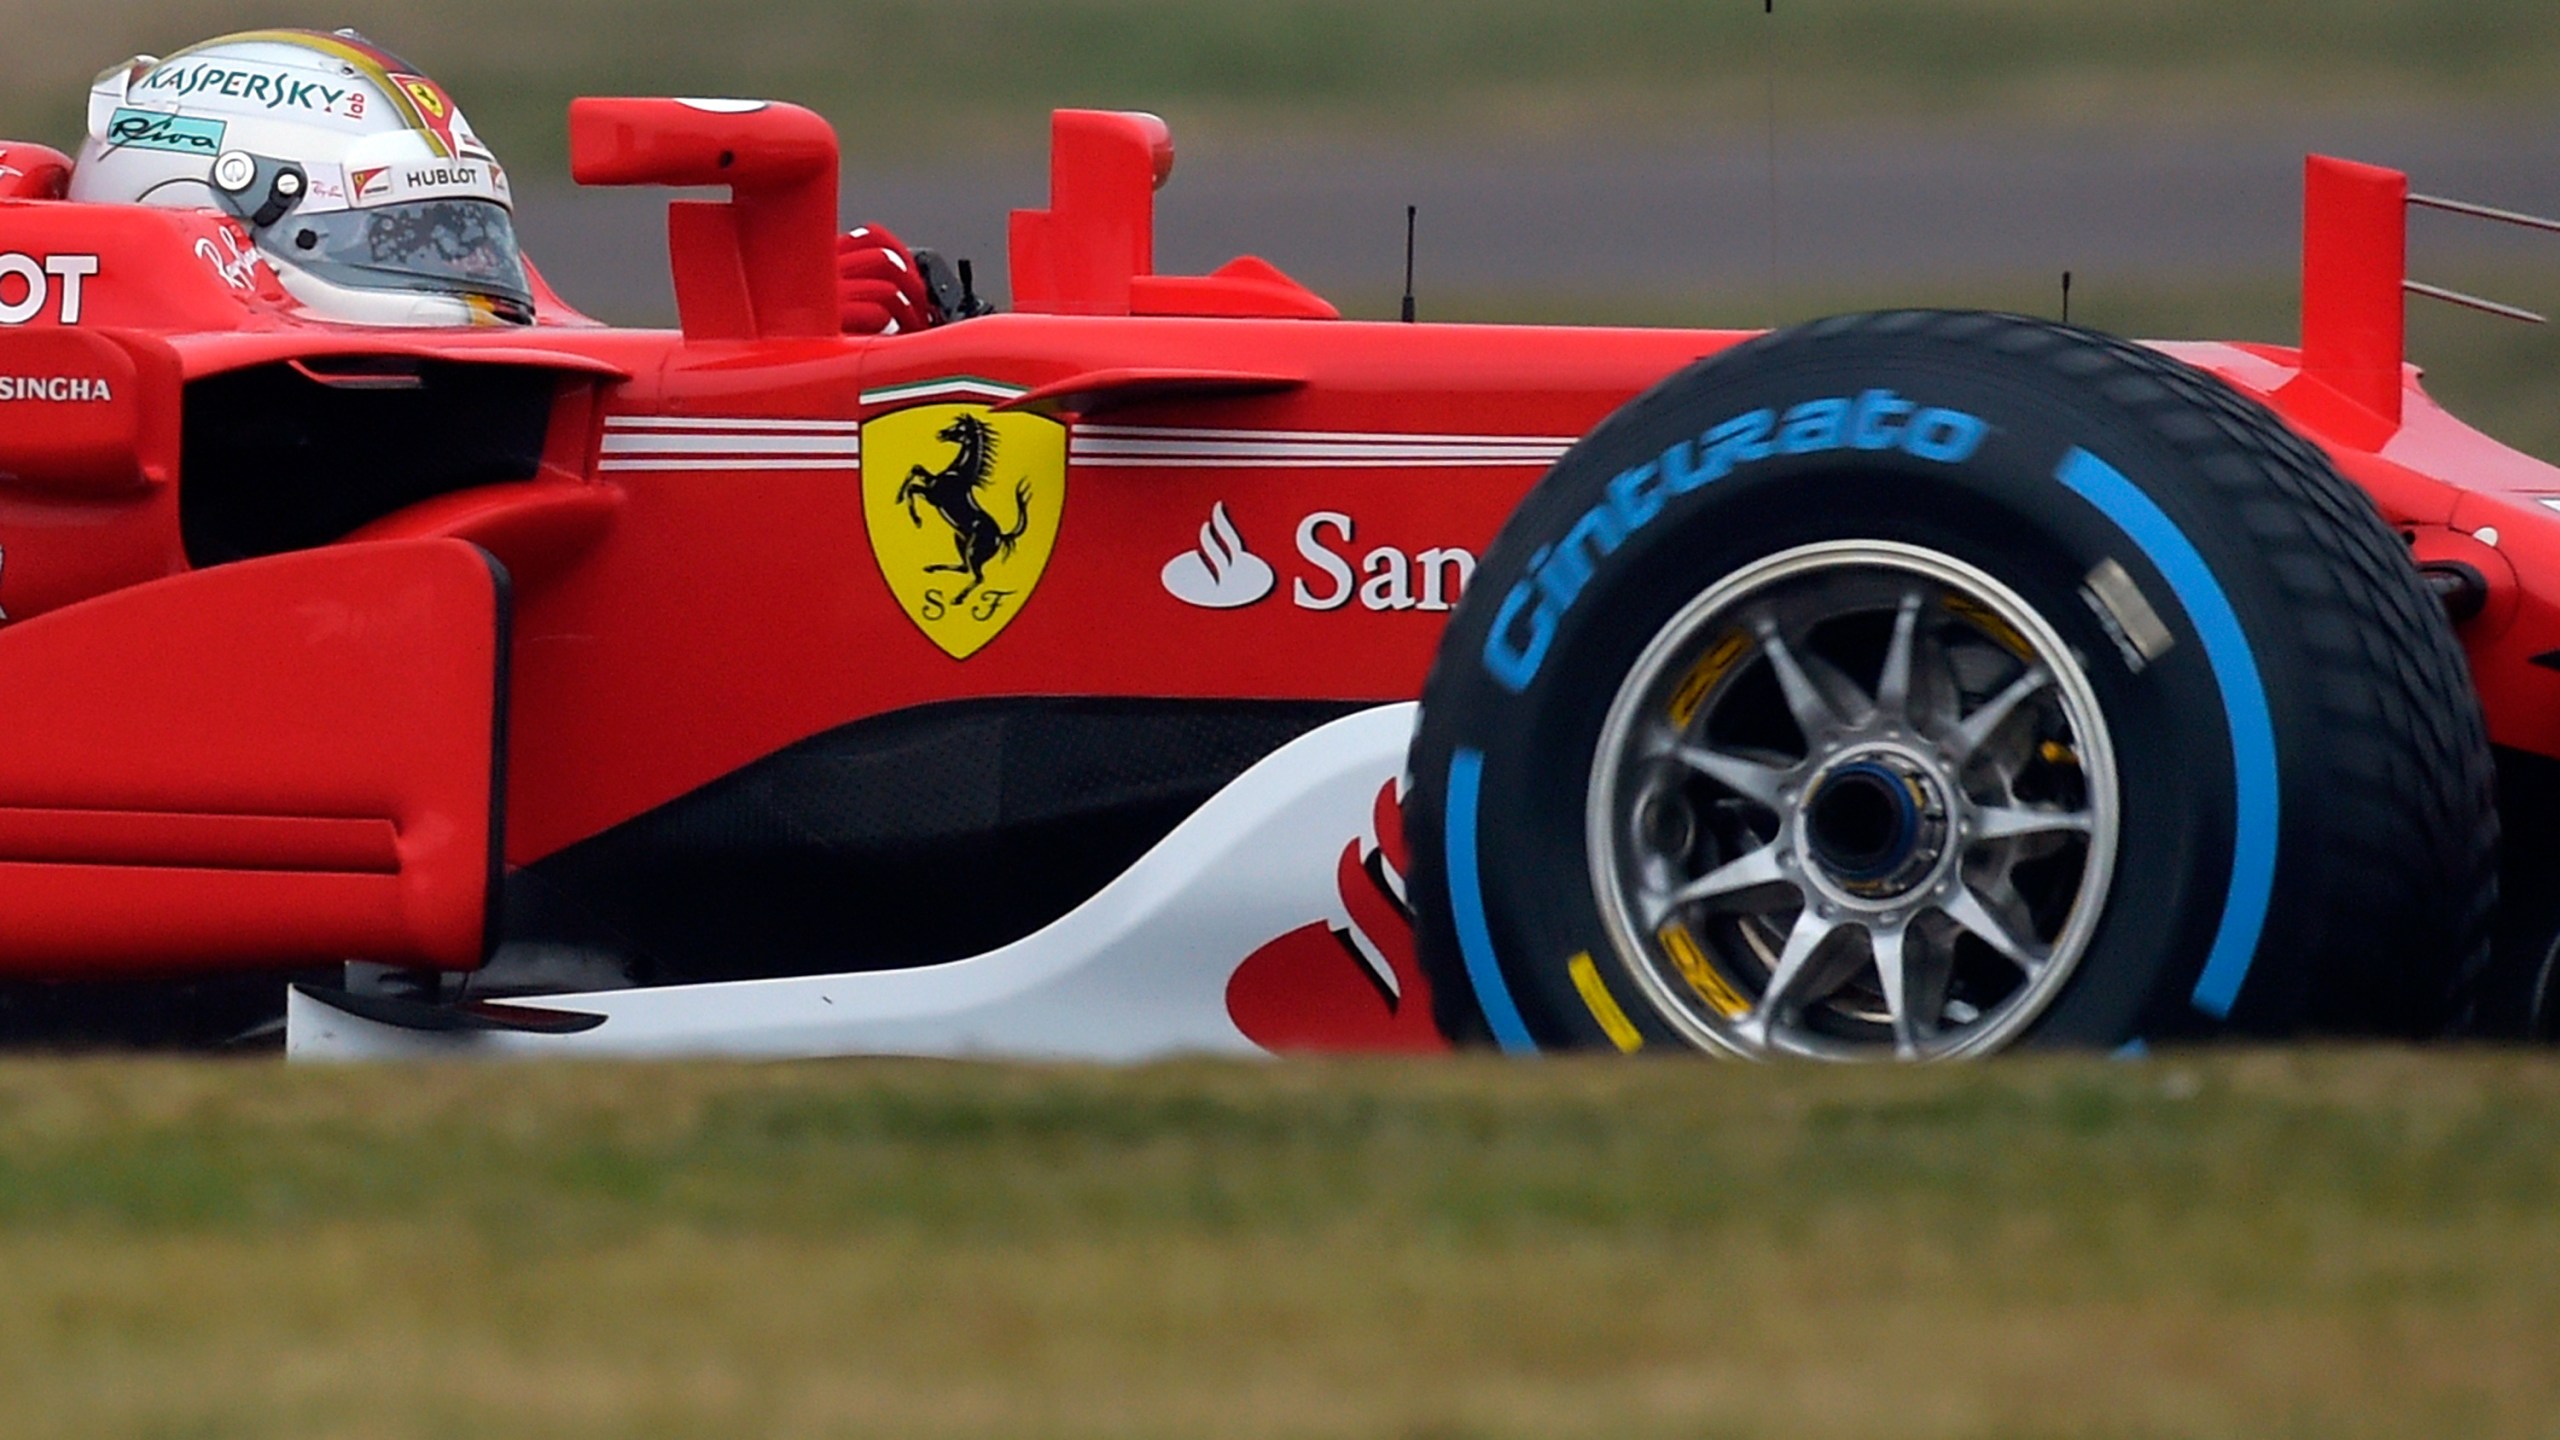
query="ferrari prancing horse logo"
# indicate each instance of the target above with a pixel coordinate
(962, 504)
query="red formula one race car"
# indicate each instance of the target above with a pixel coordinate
(1042, 683)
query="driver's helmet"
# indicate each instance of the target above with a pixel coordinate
(357, 177)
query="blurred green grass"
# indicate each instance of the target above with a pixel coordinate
(2334, 1244)
(911, 76)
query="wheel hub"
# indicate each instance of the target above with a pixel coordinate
(1855, 799)
(1874, 825)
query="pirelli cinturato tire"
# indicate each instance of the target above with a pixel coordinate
(1923, 685)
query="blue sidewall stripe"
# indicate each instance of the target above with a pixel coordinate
(2245, 715)
(1466, 908)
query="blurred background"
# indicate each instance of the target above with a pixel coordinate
(1624, 161)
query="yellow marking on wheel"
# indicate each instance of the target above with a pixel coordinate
(1982, 619)
(1703, 677)
(1701, 973)
(1614, 1023)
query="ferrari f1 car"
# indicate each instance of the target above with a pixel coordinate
(1902, 685)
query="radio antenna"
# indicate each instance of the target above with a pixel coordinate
(1408, 264)
(2066, 297)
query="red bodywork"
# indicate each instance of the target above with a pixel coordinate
(289, 758)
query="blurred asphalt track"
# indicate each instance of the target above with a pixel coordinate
(1993, 216)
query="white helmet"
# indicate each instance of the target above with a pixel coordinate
(357, 177)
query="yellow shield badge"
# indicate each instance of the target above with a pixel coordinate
(962, 504)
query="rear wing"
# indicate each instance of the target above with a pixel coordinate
(2355, 277)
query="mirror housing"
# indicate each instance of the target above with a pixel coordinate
(759, 265)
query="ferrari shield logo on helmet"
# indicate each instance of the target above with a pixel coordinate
(962, 504)
(434, 110)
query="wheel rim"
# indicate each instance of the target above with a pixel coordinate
(1855, 801)
(2542, 1009)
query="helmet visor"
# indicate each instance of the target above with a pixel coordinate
(438, 246)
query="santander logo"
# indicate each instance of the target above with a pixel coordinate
(1222, 574)
(1333, 573)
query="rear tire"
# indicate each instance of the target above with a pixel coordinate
(2240, 779)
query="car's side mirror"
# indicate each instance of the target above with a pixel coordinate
(759, 265)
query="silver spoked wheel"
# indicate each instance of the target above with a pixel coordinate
(2542, 1009)
(1854, 801)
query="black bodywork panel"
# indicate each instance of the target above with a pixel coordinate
(275, 460)
(907, 839)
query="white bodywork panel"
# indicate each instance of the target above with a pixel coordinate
(1139, 970)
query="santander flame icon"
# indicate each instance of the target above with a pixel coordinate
(1221, 574)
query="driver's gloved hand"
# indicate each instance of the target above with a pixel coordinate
(880, 290)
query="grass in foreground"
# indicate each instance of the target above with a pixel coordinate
(2323, 1244)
